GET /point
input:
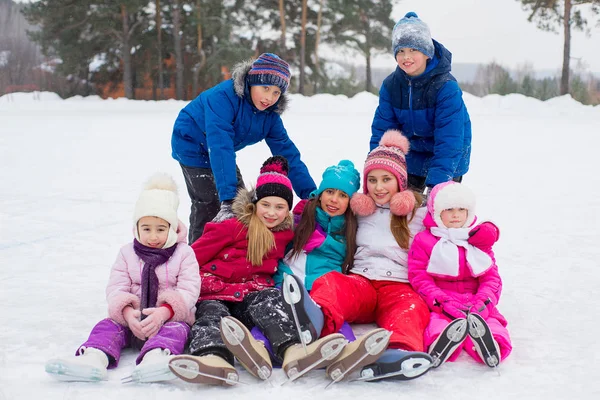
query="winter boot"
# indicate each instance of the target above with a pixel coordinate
(209, 369)
(298, 360)
(307, 315)
(485, 344)
(448, 341)
(363, 351)
(89, 366)
(154, 367)
(396, 364)
(251, 353)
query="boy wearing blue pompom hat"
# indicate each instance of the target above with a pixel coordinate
(423, 100)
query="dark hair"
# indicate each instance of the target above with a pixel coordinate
(307, 225)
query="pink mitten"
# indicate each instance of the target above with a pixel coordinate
(482, 307)
(156, 317)
(132, 317)
(453, 309)
(484, 235)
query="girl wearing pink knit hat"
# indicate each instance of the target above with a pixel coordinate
(377, 288)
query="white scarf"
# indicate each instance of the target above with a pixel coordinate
(444, 256)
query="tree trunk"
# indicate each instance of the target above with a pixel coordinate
(201, 56)
(161, 82)
(302, 48)
(178, 50)
(564, 79)
(126, 49)
(367, 29)
(282, 20)
(317, 39)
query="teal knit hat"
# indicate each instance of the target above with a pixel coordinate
(343, 177)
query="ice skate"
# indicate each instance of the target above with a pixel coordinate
(448, 341)
(89, 366)
(154, 367)
(251, 353)
(319, 354)
(396, 364)
(485, 344)
(363, 351)
(307, 315)
(209, 370)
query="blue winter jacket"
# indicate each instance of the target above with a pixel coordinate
(223, 120)
(430, 112)
(328, 256)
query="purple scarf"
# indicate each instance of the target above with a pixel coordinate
(152, 258)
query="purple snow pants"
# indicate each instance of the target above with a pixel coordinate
(111, 338)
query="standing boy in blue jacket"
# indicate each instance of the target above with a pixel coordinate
(422, 99)
(224, 119)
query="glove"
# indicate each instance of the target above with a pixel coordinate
(484, 235)
(156, 317)
(299, 208)
(454, 310)
(132, 317)
(482, 307)
(225, 212)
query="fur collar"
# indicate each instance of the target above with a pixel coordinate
(239, 73)
(243, 212)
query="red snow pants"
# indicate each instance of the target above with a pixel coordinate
(394, 306)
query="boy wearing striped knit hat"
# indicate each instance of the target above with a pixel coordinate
(224, 119)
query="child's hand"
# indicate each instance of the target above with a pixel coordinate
(484, 235)
(454, 310)
(156, 317)
(132, 317)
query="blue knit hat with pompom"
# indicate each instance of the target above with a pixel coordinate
(343, 177)
(412, 33)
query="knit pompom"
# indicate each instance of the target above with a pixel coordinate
(161, 181)
(395, 138)
(402, 203)
(275, 164)
(411, 14)
(362, 204)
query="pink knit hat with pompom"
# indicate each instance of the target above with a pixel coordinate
(273, 180)
(390, 155)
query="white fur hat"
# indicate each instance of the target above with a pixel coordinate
(451, 195)
(159, 198)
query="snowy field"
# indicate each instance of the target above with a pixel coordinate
(71, 170)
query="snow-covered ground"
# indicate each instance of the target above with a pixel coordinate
(71, 170)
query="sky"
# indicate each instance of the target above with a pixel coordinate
(71, 171)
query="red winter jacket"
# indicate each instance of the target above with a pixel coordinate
(221, 252)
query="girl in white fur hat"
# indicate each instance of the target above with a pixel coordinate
(151, 293)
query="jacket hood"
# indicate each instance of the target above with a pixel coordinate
(243, 213)
(450, 195)
(240, 71)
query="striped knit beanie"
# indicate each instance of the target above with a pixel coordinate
(273, 180)
(269, 69)
(390, 155)
(412, 33)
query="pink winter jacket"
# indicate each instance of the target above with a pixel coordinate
(178, 281)
(464, 288)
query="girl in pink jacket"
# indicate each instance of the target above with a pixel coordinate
(151, 295)
(452, 266)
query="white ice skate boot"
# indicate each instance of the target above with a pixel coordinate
(89, 366)
(154, 367)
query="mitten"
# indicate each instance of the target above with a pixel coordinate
(453, 309)
(482, 307)
(225, 212)
(133, 322)
(299, 208)
(484, 235)
(156, 317)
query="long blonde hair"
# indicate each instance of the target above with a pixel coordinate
(399, 225)
(260, 238)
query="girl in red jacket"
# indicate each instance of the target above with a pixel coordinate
(452, 266)
(237, 259)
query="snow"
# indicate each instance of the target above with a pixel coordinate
(71, 171)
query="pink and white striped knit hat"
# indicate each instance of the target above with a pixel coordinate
(273, 180)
